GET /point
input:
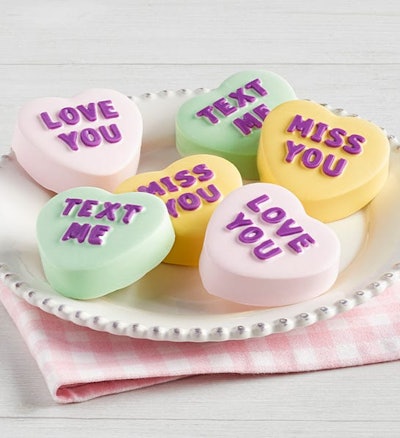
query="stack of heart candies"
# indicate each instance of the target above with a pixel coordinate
(261, 175)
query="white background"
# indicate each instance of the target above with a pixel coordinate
(343, 53)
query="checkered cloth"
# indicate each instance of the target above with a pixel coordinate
(79, 363)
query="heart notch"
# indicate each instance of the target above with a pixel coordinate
(191, 189)
(227, 120)
(92, 139)
(92, 242)
(334, 164)
(261, 249)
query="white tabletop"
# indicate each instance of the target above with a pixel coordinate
(343, 53)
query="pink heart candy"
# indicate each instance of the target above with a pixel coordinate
(262, 249)
(92, 139)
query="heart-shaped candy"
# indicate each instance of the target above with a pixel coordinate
(92, 139)
(191, 188)
(335, 165)
(262, 249)
(227, 121)
(92, 242)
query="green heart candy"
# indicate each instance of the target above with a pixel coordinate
(227, 121)
(92, 242)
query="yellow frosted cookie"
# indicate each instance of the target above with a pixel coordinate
(191, 188)
(335, 165)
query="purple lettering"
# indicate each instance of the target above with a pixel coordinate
(90, 137)
(69, 115)
(204, 172)
(86, 209)
(224, 107)
(96, 234)
(131, 210)
(213, 195)
(336, 139)
(354, 147)
(185, 178)
(261, 111)
(312, 158)
(287, 228)
(112, 135)
(170, 186)
(255, 85)
(239, 221)
(108, 211)
(303, 241)
(107, 109)
(154, 188)
(321, 128)
(273, 215)
(328, 164)
(89, 111)
(298, 124)
(247, 123)
(293, 150)
(189, 201)
(70, 139)
(250, 235)
(71, 202)
(261, 253)
(253, 204)
(207, 112)
(48, 122)
(171, 207)
(76, 231)
(241, 97)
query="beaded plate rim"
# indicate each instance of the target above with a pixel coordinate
(198, 334)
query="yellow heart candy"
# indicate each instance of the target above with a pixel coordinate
(191, 188)
(335, 165)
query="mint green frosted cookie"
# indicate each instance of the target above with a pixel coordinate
(227, 121)
(92, 242)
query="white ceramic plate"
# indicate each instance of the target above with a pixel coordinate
(169, 303)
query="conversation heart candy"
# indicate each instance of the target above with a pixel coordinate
(335, 165)
(262, 249)
(227, 121)
(92, 139)
(191, 188)
(92, 242)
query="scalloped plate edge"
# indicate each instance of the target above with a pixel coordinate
(197, 334)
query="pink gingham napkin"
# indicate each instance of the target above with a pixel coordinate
(78, 363)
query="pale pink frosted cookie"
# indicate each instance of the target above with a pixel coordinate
(92, 139)
(262, 249)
